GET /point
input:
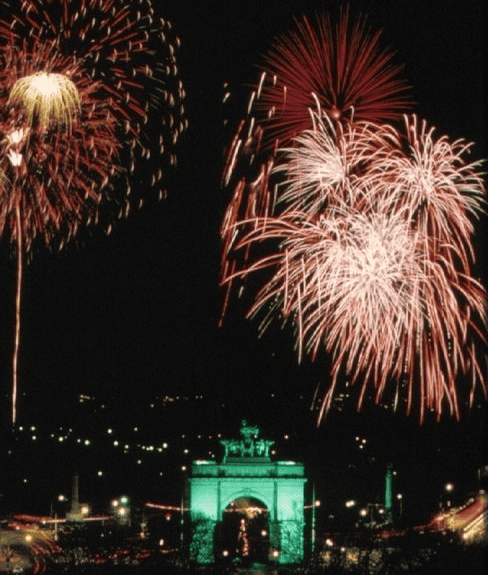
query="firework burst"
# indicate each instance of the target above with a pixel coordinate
(370, 258)
(442, 192)
(340, 70)
(89, 90)
(332, 164)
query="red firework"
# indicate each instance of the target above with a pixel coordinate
(89, 90)
(339, 70)
(58, 172)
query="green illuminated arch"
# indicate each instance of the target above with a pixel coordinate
(248, 472)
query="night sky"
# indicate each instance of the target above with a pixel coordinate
(135, 313)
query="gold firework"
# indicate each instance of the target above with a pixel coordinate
(51, 98)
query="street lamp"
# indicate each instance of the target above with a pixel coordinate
(315, 504)
(449, 488)
(122, 508)
(52, 512)
(400, 500)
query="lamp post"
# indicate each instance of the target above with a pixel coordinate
(54, 513)
(121, 509)
(448, 488)
(276, 554)
(400, 501)
(315, 504)
(182, 521)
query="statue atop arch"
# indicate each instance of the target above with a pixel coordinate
(250, 445)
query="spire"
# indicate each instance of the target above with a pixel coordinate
(75, 496)
(388, 493)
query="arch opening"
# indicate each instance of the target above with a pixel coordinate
(243, 535)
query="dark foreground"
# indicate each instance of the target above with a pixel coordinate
(443, 559)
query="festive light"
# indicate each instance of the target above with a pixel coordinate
(339, 69)
(339, 66)
(50, 98)
(370, 257)
(90, 94)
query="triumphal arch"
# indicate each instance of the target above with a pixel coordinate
(248, 502)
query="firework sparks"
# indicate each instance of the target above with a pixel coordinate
(331, 164)
(371, 259)
(441, 190)
(338, 69)
(88, 91)
(50, 98)
(342, 68)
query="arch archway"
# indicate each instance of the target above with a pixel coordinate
(247, 473)
(243, 531)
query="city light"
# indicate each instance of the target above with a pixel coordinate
(363, 516)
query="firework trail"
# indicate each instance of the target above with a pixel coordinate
(89, 91)
(339, 69)
(370, 258)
